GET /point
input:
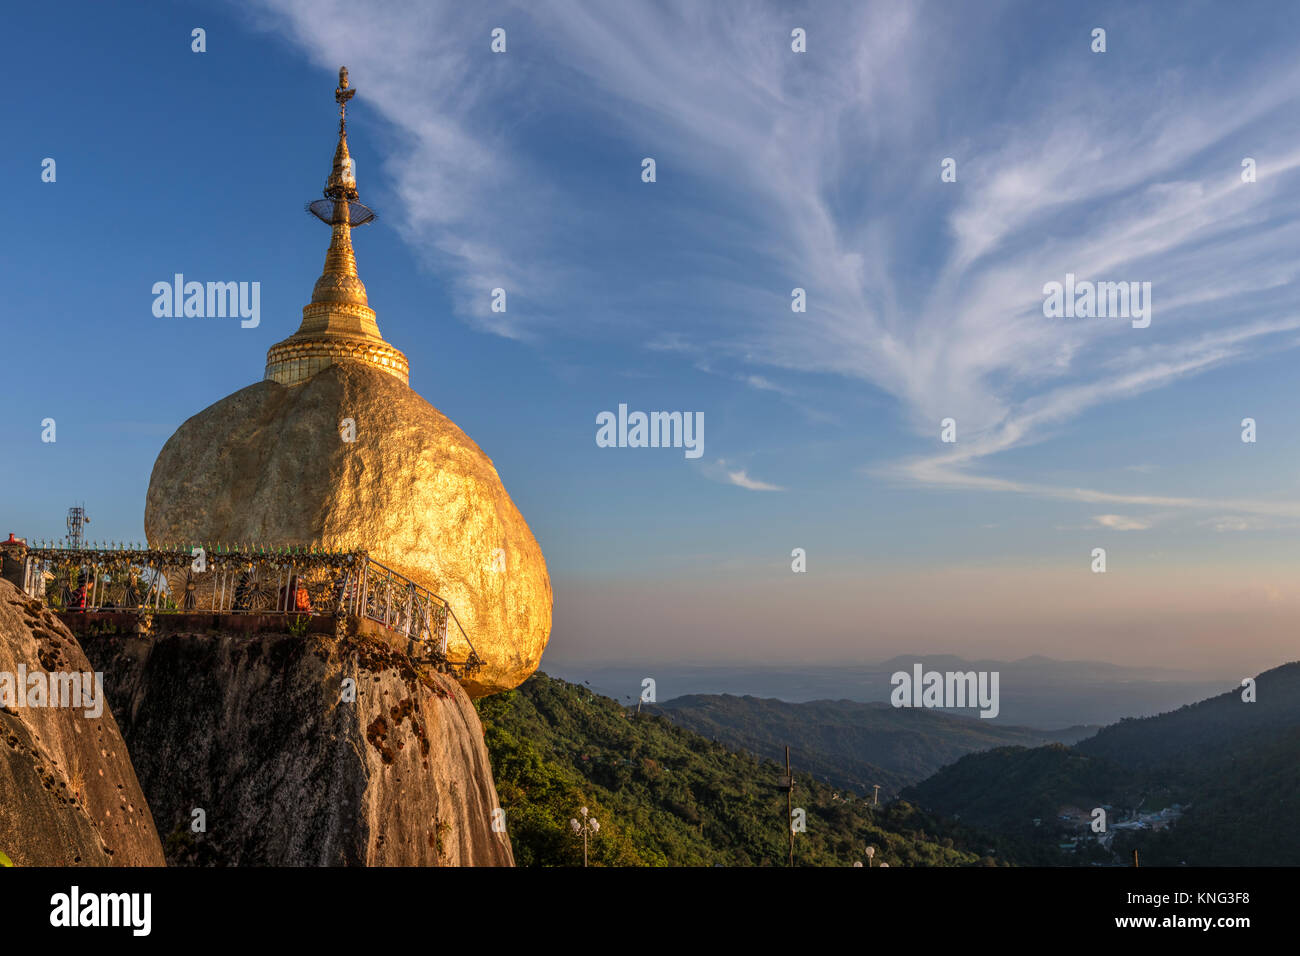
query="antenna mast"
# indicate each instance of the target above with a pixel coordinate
(76, 520)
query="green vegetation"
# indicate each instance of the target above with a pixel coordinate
(1230, 764)
(666, 796)
(1004, 791)
(848, 743)
(1245, 811)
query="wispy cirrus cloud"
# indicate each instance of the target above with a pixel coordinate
(822, 171)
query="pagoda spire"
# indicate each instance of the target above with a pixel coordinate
(338, 324)
(339, 281)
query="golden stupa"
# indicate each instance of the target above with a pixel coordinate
(334, 449)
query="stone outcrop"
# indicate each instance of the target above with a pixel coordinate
(68, 793)
(256, 731)
(270, 465)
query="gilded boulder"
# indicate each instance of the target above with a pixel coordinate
(353, 458)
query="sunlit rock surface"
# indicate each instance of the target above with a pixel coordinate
(68, 793)
(269, 465)
(257, 732)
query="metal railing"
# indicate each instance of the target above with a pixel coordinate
(242, 580)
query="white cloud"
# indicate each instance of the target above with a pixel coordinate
(741, 479)
(728, 475)
(764, 385)
(1246, 523)
(1121, 523)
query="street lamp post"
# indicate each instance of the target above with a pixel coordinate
(589, 825)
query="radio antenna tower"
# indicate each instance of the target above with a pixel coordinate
(76, 519)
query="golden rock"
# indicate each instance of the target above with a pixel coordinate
(270, 465)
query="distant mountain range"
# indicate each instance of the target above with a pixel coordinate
(847, 743)
(1232, 766)
(1035, 691)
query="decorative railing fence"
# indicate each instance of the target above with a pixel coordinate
(243, 580)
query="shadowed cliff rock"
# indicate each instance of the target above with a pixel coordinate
(68, 793)
(253, 729)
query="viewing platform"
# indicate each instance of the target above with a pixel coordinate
(240, 588)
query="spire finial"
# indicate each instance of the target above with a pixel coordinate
(338, 324)
(342, 184)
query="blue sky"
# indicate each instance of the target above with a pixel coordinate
(775, 170)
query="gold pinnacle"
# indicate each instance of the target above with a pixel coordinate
(338, 324)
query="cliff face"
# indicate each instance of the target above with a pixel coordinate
(68, 793)
(257, 731)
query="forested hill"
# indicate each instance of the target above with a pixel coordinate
(665, 795)
(1230, 767)
(1208, 730)
(849, 743)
